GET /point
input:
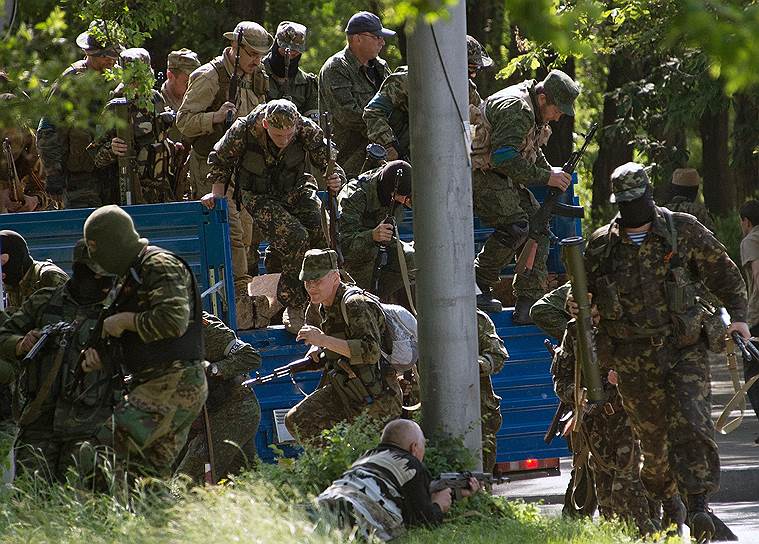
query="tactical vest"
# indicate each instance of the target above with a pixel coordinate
(139, 355)
(262, 173)
(154, 152)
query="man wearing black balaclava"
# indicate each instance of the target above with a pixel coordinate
(367, 205)
(646, 270)
(287, 79)
(683, 196)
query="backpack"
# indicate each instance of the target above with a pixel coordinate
(401, 325)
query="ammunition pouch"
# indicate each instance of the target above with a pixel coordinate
(687, 316)
(714, 332)
(358, 390)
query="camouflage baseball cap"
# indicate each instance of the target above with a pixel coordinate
(253, 35)
(183, 60)
(562, 89)
(476, 54)
(93, 47)
(291, 35)
(317, 263)
(628, 182)
(686, 177)
(281, 113)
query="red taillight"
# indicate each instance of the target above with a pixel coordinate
(529, 464)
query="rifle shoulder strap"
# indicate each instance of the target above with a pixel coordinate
(404, 271)
(33, 410)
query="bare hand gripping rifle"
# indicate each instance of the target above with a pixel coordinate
(540, 222)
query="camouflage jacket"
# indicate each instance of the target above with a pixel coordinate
(510, 134)
(491, 351)
(650, 290)
(40, 274)
(549, 312)
(344, 90)
(264, 168)
(304, 89)
(359, 212)
(696, 209)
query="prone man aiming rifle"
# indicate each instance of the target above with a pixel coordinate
(540, 222)
(459, 481)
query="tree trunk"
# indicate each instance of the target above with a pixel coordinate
(745, 163)
(719, 188)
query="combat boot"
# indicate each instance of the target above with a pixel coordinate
(521, 314)
(700, 522)
(486, 302)
(674, 513)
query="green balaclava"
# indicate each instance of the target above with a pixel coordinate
(117, 243)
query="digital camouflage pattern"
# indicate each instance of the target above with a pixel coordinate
(345, 88)
(562, 90)
(183, 60)
(646, 299)
(696, 209)
(317, 263)
(341, 397)
(359, 212)
(40, 274)
(550, 314)
(277, 193)
(233, 410)
(491, 355)
(628, 182)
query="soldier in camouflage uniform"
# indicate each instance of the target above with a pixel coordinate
(491, 355)
(202, 120)
(63, 149)
(550, 313)
(299, 87)
(57, 415)
(158, 330)
(684, 194)
(348, 81)
(386, 115)
(355, 380)
(233, 410)
(364, 205)
(153, 150)
(644, 270)
(273, 145)
(506, 159)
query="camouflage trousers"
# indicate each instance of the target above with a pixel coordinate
(323, 409)
(153, 421)
(490, 412)
(292, 225)
(390, 279)
(507, 208)
(666, 394)
(91, 189)
(234, 415)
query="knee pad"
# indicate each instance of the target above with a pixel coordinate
(514, 235)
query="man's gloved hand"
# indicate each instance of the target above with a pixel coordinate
(55, 184)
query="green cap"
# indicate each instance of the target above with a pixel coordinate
(183, 61)
(562, 90)
(117, 243)
(476, 54)
(253, 35)
(317, 263)
(291, 36)
(281, 113)
(628, 182)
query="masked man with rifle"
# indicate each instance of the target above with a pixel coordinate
(154, 331)
(59, 419)
(645, 269)
(220, 91)
(269, 150)
(507, 157)
(369, 208)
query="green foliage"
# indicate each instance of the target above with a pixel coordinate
(445, 453)
(728, 231)
(138, 81)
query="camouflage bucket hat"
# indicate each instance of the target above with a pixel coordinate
(93, 47)
(628, 182)
(135, 54)
(183, 60)
(253, 35)
(317, 263)
(563, 90)
(281, 113)
(476, 54)
(291, 36)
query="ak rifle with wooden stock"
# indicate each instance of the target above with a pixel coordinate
(289, 370)
(540, 222)
(331, 197)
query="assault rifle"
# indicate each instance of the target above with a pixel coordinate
(291, 369)
(127, 163)
(540, 222)
(46, 333)
(459, 481)
(234, 82)
(286, 84)
(331, 197)
(13, 178)
(383, 249)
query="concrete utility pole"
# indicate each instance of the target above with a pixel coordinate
(438, 98)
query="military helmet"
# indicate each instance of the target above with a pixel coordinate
(253, 35)
(281, 113)
(562, 89)
(183, 60)
(476, 54)
(291, 36)
(317, 263)
(91, 46)
(628, 182)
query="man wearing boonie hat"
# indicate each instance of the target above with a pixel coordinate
(274, 145)
(71, 172)
(201, 119)
(506, 162)
(348, 81)
(386, 115)
(297, 86)
(348, 344)
(683, 195)
(646, 271)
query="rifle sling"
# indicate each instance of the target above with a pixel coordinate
(404, 270)
(33, 410)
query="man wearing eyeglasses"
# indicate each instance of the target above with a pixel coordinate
(348, 80)
(202, 120)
